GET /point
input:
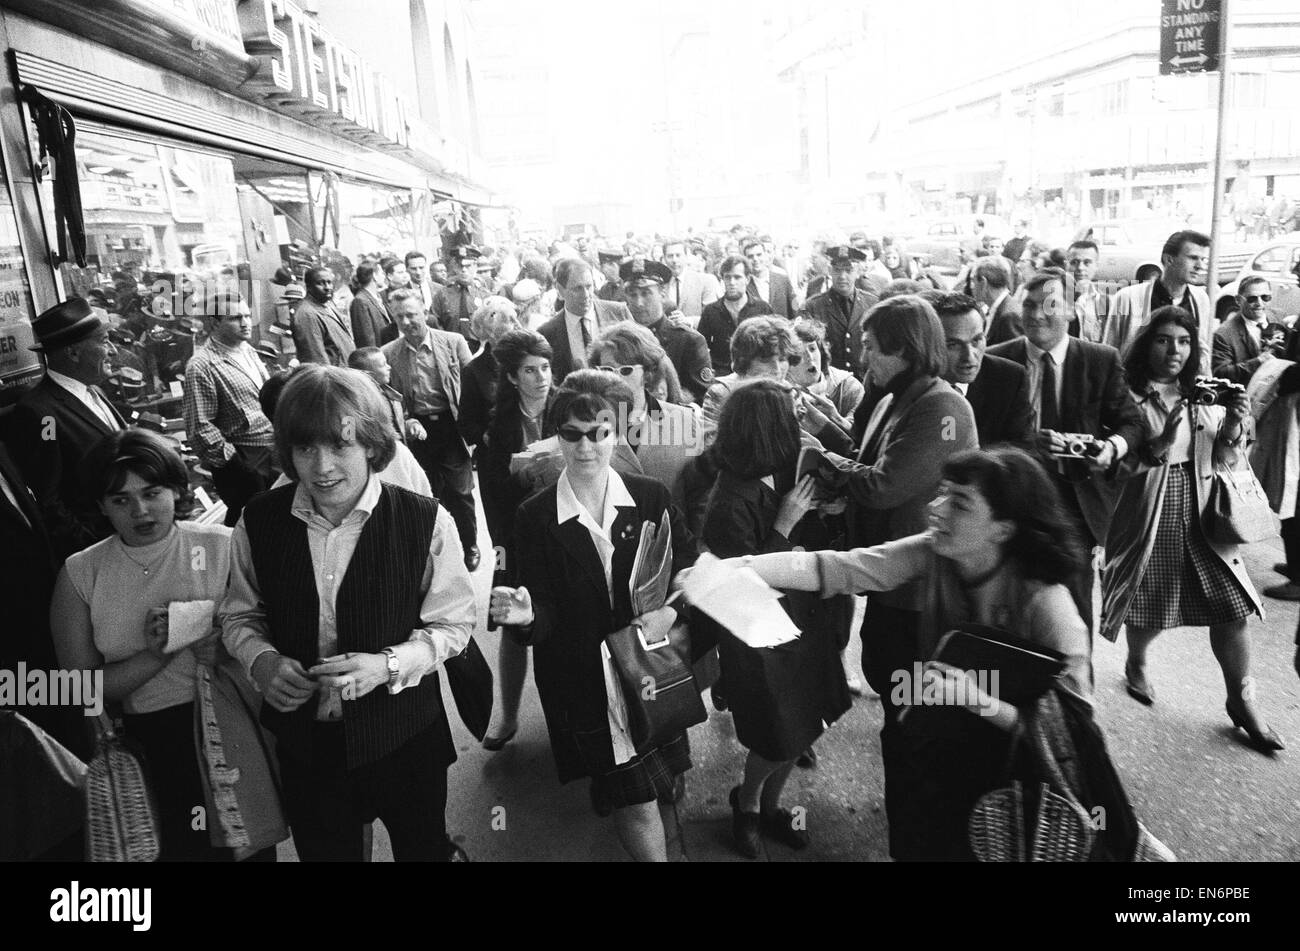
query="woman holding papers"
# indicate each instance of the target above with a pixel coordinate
(999, 552)
(575, 543)
(1163, 572)
(779, 695)
(518, 419)
(110, 613)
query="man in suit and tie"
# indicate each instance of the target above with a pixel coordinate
(60, 418)
(841, 308)
(223, 417)
(997, 389)
(27, 573)
(1238, 350)
(765, 283)
(371, 325)
(1183, 260)
(1075, 387)
(686, 291)
(320, 333)
(426, 369)
(990, 285)
(571, 331)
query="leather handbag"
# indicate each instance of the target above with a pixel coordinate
(653, 664)
(470, 678)
(1238, 512)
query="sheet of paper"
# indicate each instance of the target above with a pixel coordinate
(739, 600)
(187, 622)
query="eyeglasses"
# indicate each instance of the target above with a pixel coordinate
(573, 434)
(621, 371)
(1255, 298)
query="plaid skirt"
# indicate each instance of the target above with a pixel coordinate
(644, 778)
(1185, 584)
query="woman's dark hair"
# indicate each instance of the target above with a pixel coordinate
(909, 327)
(316, 407)
(758, 434)
(1047, 544)
(1137, 359)
(588, 395)
(510, 352)
(630, 344)
(135, 451)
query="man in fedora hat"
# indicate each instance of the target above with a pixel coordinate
(60, 418)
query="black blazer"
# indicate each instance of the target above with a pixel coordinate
(999, 395)
(561, 569)
(478, 391)
(1096, 400)
(27, 572)
(779, 290)
(51, 467)
(557, 334)
(1004, 323)
(369, 320)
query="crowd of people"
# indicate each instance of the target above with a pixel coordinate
(978, 451)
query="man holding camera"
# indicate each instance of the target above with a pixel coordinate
(1076, 388)
(1238, 345)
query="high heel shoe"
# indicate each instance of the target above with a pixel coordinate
(1265, 741)
(1135, 682)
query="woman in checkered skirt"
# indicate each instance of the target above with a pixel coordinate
(1163, 571)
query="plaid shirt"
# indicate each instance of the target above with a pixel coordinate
(220, 405)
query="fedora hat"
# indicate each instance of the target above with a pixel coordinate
(65, 324)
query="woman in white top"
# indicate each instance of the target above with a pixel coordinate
(110, 614)
(1162, 570)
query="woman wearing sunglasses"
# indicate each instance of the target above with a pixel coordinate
(575, 543)
(659, 439)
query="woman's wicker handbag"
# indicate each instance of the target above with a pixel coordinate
(121, 819)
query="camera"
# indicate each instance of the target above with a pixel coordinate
(1079, 445)
(1211, 391)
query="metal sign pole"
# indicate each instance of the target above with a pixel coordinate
(1216, 204)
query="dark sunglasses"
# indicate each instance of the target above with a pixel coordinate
(621, 371)
(1254, 298)
(573, 434)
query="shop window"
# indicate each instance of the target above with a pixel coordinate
(18, 364)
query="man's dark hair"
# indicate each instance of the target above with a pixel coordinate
(389, 264)
(1085, 243)
(1180, 238)
(1040, 279)
(750, 242)
(359, 359)
(412, 255)
(909, 327)
(565, 267)
(950, 303)
(994, 269)
(365, 273)
(731, 261)
(1248, 281)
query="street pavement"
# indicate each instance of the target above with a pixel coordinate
(1190, 778)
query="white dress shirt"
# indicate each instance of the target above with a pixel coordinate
(89, 398)
(447, 611)
(763, 285)
(1034, 370)
(573, 323)
(568, 507)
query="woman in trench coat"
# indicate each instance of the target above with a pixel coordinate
(1163, 571)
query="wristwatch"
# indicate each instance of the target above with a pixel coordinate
(394, 671)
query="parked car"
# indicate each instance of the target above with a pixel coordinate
(938, 243)
(1277, 262)
(1130, 250)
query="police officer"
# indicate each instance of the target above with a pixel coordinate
(643, 286)
(612, 289)
(842, 306)
(456, 301)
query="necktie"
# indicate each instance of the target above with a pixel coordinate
(1048, 417)
(586, 335)
(105, 410)
(677, 292)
